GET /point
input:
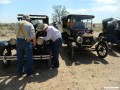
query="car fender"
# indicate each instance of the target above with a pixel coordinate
(3, 44)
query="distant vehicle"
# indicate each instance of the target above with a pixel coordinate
(36, 19)
(105, 23)
(40, 51)
(77, 29)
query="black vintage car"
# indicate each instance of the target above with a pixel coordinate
(105, 23)
(77, 30)
(42, 50)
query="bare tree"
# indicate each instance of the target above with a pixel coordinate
(59, 11)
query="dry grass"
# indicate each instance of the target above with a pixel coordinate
(98, 27)
(7, 29)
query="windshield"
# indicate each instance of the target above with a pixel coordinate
(81, 24)
(88, 24)
(36, 21)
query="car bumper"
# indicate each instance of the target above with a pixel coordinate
(35, 57)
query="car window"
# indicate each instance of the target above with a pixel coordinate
(88, 24)
(35, 22)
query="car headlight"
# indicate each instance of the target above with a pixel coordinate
(40, 40)
(79, 39)
(12, 41)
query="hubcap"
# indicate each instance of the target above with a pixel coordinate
(4, 54)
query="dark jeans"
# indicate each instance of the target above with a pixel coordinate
(24, 48)
(55, 51)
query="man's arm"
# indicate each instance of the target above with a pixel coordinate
(34, 41)
(49, 34)
(32, 34)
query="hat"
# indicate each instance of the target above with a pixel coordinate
(42, 27)
(26, 17)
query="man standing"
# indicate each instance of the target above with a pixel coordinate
(55, 25)
(54, 35)
(25, 32)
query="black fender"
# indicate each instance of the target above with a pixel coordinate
(3, 44)
(100, 34)
(66, 37)
(102, 37)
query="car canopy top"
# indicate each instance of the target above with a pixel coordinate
(34, 16)
(79, 16)
(110, 19)
(44, 18)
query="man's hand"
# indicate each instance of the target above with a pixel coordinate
(28, 40)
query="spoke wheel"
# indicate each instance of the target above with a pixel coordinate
(102, 49)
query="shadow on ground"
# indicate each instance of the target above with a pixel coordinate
(8, 77)
(81, 57)
(116, 49)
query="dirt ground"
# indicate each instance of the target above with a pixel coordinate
(85, 72)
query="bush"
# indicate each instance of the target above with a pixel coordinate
(6, 29)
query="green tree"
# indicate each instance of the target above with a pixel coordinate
(59, 11)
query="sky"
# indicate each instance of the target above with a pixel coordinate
(101, 9)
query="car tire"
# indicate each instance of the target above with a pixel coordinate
(70, 50)
(102, 49)
(49, 63)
